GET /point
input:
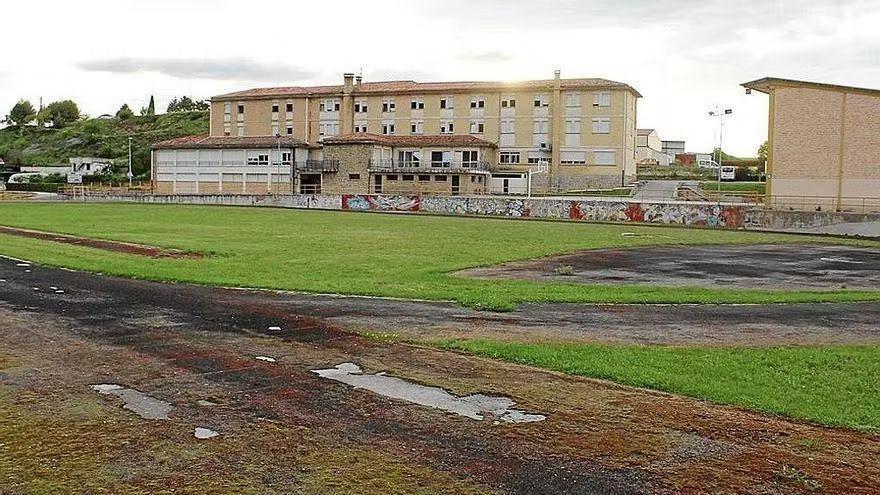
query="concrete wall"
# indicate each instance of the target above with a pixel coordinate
(729, 216)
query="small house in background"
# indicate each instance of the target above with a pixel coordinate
(649, 148)
(824, 149)
(87, 165)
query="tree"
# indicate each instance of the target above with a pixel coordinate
(124, 112)
(764, 151)
(60, 113)
(187, 104)
(151, 108)
(22, 113)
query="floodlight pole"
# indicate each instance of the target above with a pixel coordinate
(720, 113)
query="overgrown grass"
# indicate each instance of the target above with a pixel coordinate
(405, 256)
(830, 385)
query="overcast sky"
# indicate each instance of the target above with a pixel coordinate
(684, 56)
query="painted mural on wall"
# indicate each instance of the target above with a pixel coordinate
(701, 215)
(380, 202)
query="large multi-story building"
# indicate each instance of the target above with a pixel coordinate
(581, 131)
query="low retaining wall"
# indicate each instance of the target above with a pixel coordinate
(712, 215)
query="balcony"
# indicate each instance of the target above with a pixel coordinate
(444, 167)
(318, 166)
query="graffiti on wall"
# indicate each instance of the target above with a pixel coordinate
(667, 213)
(380, 202)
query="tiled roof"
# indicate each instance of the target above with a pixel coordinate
(414, 141)
(204, 141)
(413, 87)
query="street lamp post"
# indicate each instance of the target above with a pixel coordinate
(130, 175)
(720, 113)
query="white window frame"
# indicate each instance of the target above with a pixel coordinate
(388, 127)
(417, 103)
(477, 127)
(508, 126)
(360, 106)
(447, 127)
(601, 125)
(540, 101)
(478, 102)
(417, 127)
(612, 153)
(541, 126)
(389, 105)
(447, 103)
(509, 157)
(602, 99)
(573, 99)
(508, 102)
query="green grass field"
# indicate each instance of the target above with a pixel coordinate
(829, 385)
(406, 256)
(748, 187)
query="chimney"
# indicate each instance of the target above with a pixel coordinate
(557, 82)
(348, 85)
(358, 79)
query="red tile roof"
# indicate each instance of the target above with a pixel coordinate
(413, 87)
(414, 141)
(204, 141)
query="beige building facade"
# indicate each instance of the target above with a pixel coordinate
(824, 145)
(581, 130)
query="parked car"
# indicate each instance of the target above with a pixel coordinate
(728, 172)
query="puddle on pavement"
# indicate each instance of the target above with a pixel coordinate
(474, 406)
(138, 402)
(205, 433)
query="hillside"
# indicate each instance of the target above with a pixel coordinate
(104, 138)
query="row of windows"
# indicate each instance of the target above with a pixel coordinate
(572, 99)
(600, 157)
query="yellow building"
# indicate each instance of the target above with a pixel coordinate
(582, 130)
(824, 145)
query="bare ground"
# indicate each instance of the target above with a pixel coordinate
(106, 245)
(748, 266)
(285, 430)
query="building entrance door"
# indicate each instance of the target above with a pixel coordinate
(456, 185)
(377, 187)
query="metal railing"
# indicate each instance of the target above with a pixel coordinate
(413, 167)
(318, 166)
(824, 203)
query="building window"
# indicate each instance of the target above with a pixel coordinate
(417, 127)
(360, 127)
(424, 178)
(328, 128)
(286, 158)
(601, 99)
(446, 127)
(241, 108)
(258, 160)
(289, 107)
(478, 102)
(289, 130)
(227, 112)
(388, 128)
(409, 158)
(391, 177)
(508, 157)
(507, 126)
(541, 101)
(470, 158)
(329, 105)
(508, 103)
(477, 127)
(601, 125)
(446, 102)
(275, 108)
(408, 178)
(417, 103)
(573, 158)
(572, 99)
(360, 106)
(541, 126)
(573, 126)
(354, 176)
(227, 130)
(275, 130)
(240, 130)
(604, 157)
(439, 178)
(388, 105)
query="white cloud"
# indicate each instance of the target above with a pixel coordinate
(225, 69)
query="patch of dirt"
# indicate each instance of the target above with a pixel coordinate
(749, 266)
(115, 246)
(283, 429)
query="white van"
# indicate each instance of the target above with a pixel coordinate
(728, 172)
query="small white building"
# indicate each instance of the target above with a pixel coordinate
(649, 148)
